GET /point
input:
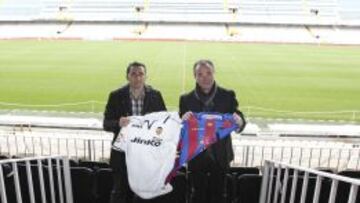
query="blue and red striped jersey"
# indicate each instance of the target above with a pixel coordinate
(199, 132)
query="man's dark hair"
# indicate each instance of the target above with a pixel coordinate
(134, 64)
(205, 62)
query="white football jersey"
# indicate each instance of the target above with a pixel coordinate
(150, 144)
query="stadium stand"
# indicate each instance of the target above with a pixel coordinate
(174, 11)
(298, 21)
(87, 178)
(284, 182)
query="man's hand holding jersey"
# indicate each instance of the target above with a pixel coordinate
(124, 121)
(239, 121)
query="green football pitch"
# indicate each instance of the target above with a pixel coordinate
(270, 80)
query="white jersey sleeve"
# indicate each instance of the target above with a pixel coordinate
(150, 144)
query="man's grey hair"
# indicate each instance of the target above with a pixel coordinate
(203, 62)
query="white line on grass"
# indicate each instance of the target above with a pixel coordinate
(183, 69)
(241, 72)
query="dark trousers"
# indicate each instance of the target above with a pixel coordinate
(121, 192)
(160, 199)
(207, 178)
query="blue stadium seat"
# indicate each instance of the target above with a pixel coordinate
(83, 184)
(350, 173)
(344, 188)
(248, 188)
(324, 191)
(73, 163)
(238, 171)
(103, 185)
(94, 165)
(232, 178)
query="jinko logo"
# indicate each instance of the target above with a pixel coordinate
(153, 142)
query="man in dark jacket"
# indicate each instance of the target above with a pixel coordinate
(209, 167)
(135, 98)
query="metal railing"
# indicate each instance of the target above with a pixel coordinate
(38, 179)
(306, 152)
(95, 145)
(277, 177)
(76, 144)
